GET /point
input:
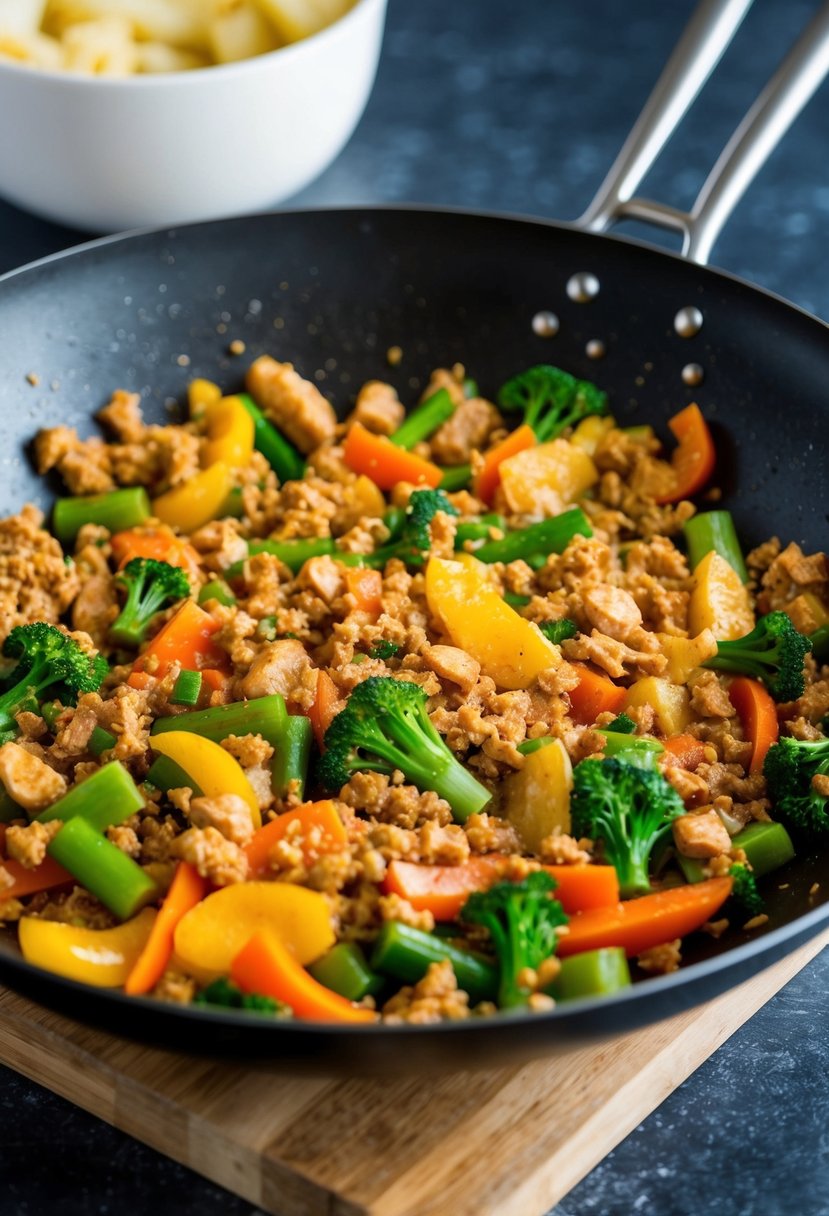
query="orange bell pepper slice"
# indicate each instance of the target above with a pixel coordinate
(325, 707)
(684, 751)
(29, 882)
(266, 966)
(443, 890)
(377, 457)
(488, 479)
(650, 920)
(186, 890)
(322, 832)
(593, 695)
(366, 586)
(160, 543)
(187, 639)
(758, 715)
(694, 459)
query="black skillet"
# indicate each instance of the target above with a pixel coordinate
(331, 291)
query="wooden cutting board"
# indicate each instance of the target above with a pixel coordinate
(399, 1147)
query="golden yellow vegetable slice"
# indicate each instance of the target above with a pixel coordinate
(671, 703)
(545, 479)
(229, 434)
(195, 503)
(685, 655)
(213, 769)
(537, 797)
(101, 957)
(719, 600)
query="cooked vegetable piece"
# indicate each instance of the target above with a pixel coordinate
(773, 652)
(683, 751)
(593, 695)
(281, 455)
(694, 457)
(29, 881)
(767, 846)
(325, 706)
(366, 586)
(479, 529)
(106, 798)
(230, 433)
(112, 877)
(294, 553)
(758, 717)
(488, 477)
(406, 953)
(650, 920)
(200, 394)
(266, 965)
(820, 644)
(186, 890)
(558, 631)
(671, 703)
(217, 589)
(592, 973)
(551, 399)
(628, 809)
(48, 660)
(522, 919)
(224, 994)
(289, 767)
(344, 970)
(745, 900)
(414, 539)
(385, 727)
(216, 771)
(623, 725)
(719, 601)
(101, 957)
(542, 480)
(197, 501)
(633, 749)
(541, 539)
(378, 458)
(187, 688)
(165, 775)
(187, 638)
(158, 542)
(796, 771)
(101, 741)
(424, 420)
(150, 585)
(116, 510)
(456, 478)
(714, 530)
(321, 830)
(265, 716)
(536, 799)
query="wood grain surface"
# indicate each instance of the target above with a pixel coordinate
(300, 1146)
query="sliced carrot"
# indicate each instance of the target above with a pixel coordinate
(488, 479)
(593, 695)
(266, 966)
(187, 639)
(443, 890)
(650, 920)
(694, 458)
(322, 831)
(367, 588)
(158, 542)
(186, 890)
(684, 751)
(325, 706)
(378, 458)
(28, 882)
(758, 715)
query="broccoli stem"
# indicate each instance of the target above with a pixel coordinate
(111, 876)
(281, 455)
(103, 800)
(424, 420)
(117, 511)
(290, 759)
(344, 970)
(549, 536)
(457, 477)
(714, 530)
(294, 553)
(406, 953)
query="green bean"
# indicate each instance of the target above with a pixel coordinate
(265, 716)
(187, 688)
(116, 511)
(289, 767)
(294, 553)
(538, 540)
(457, 477)
(406, 953)
(344, 970)
(714, 530)
(217, 589)
(424, 420)
(281, 455)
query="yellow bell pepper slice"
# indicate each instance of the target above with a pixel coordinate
(200, 394)
(511, 651)
(229, 434)
(213, 769)
(537, 797)
(210, 935)
(190, 506)
(544, 480)
(101, 957)
(720, 600)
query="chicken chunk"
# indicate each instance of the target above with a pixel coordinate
(27, 779)
(295, 405)
(279, 667)
(702, 835)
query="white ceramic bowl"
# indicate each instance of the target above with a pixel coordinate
(104, 155)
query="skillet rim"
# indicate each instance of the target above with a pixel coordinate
(567, 1015)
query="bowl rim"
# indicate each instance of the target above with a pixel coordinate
(183, 77)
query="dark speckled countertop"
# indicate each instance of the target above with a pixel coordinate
(520, 105)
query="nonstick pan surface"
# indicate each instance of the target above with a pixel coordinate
(331, 291)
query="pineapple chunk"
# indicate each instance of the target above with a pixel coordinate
(545, 479)
(671, 703)
(537, 797)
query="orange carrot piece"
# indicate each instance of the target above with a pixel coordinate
(186, 638)
(684, 751)
(488, 479)
(594, 694)
(387, 465)
(650, 920)
(186, 890)
(29, 882)
(367, 588)
(266, 966)
(160, 543)
(325, 706)
(694, 458)
(758, 715)
(443, 890)
(322, 831)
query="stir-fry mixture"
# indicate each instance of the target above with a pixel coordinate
(417, 716)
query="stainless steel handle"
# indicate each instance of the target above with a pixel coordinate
(697, 53)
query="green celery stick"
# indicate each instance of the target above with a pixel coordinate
(714, 530)
(118, 510)
(265, 716)
(424, 420)
(405, 953)
(538, 540)
(105, 799)
(344, 970)
(291, 755)
(111, 876)
(166, 775)
(593, 973)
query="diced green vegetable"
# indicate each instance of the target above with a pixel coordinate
(767, 846)
(217, 589)
(424, 420)
(516, 601)
(394, 520)
(233, 506)
(631, 747)
(479, 529)
(294, 553)
(533, 745)
(118, 510)
(548, 536)
(714, 530)
(101, 741)
(281, 455)
(223, 993)
(106, 798)
(166, 775)
(344, 970)
(9, 809)
(291, 756)
(406, 953)
(111, 876)
(558, 631)
(187, 688)
(593, 973)
(455, 478)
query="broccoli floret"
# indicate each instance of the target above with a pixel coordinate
(414, 540)
(773, 652)
(789, 768)
(522, 919)
(384, 649)
(558, 631)
(150, 586)
(225, 994)
(49, 661)
(385, 727)
(627, 807)
(551, 399)
(623, 725)
(745, 900)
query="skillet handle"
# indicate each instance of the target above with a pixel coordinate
(697, 53)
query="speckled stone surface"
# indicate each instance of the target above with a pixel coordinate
(520, 106)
